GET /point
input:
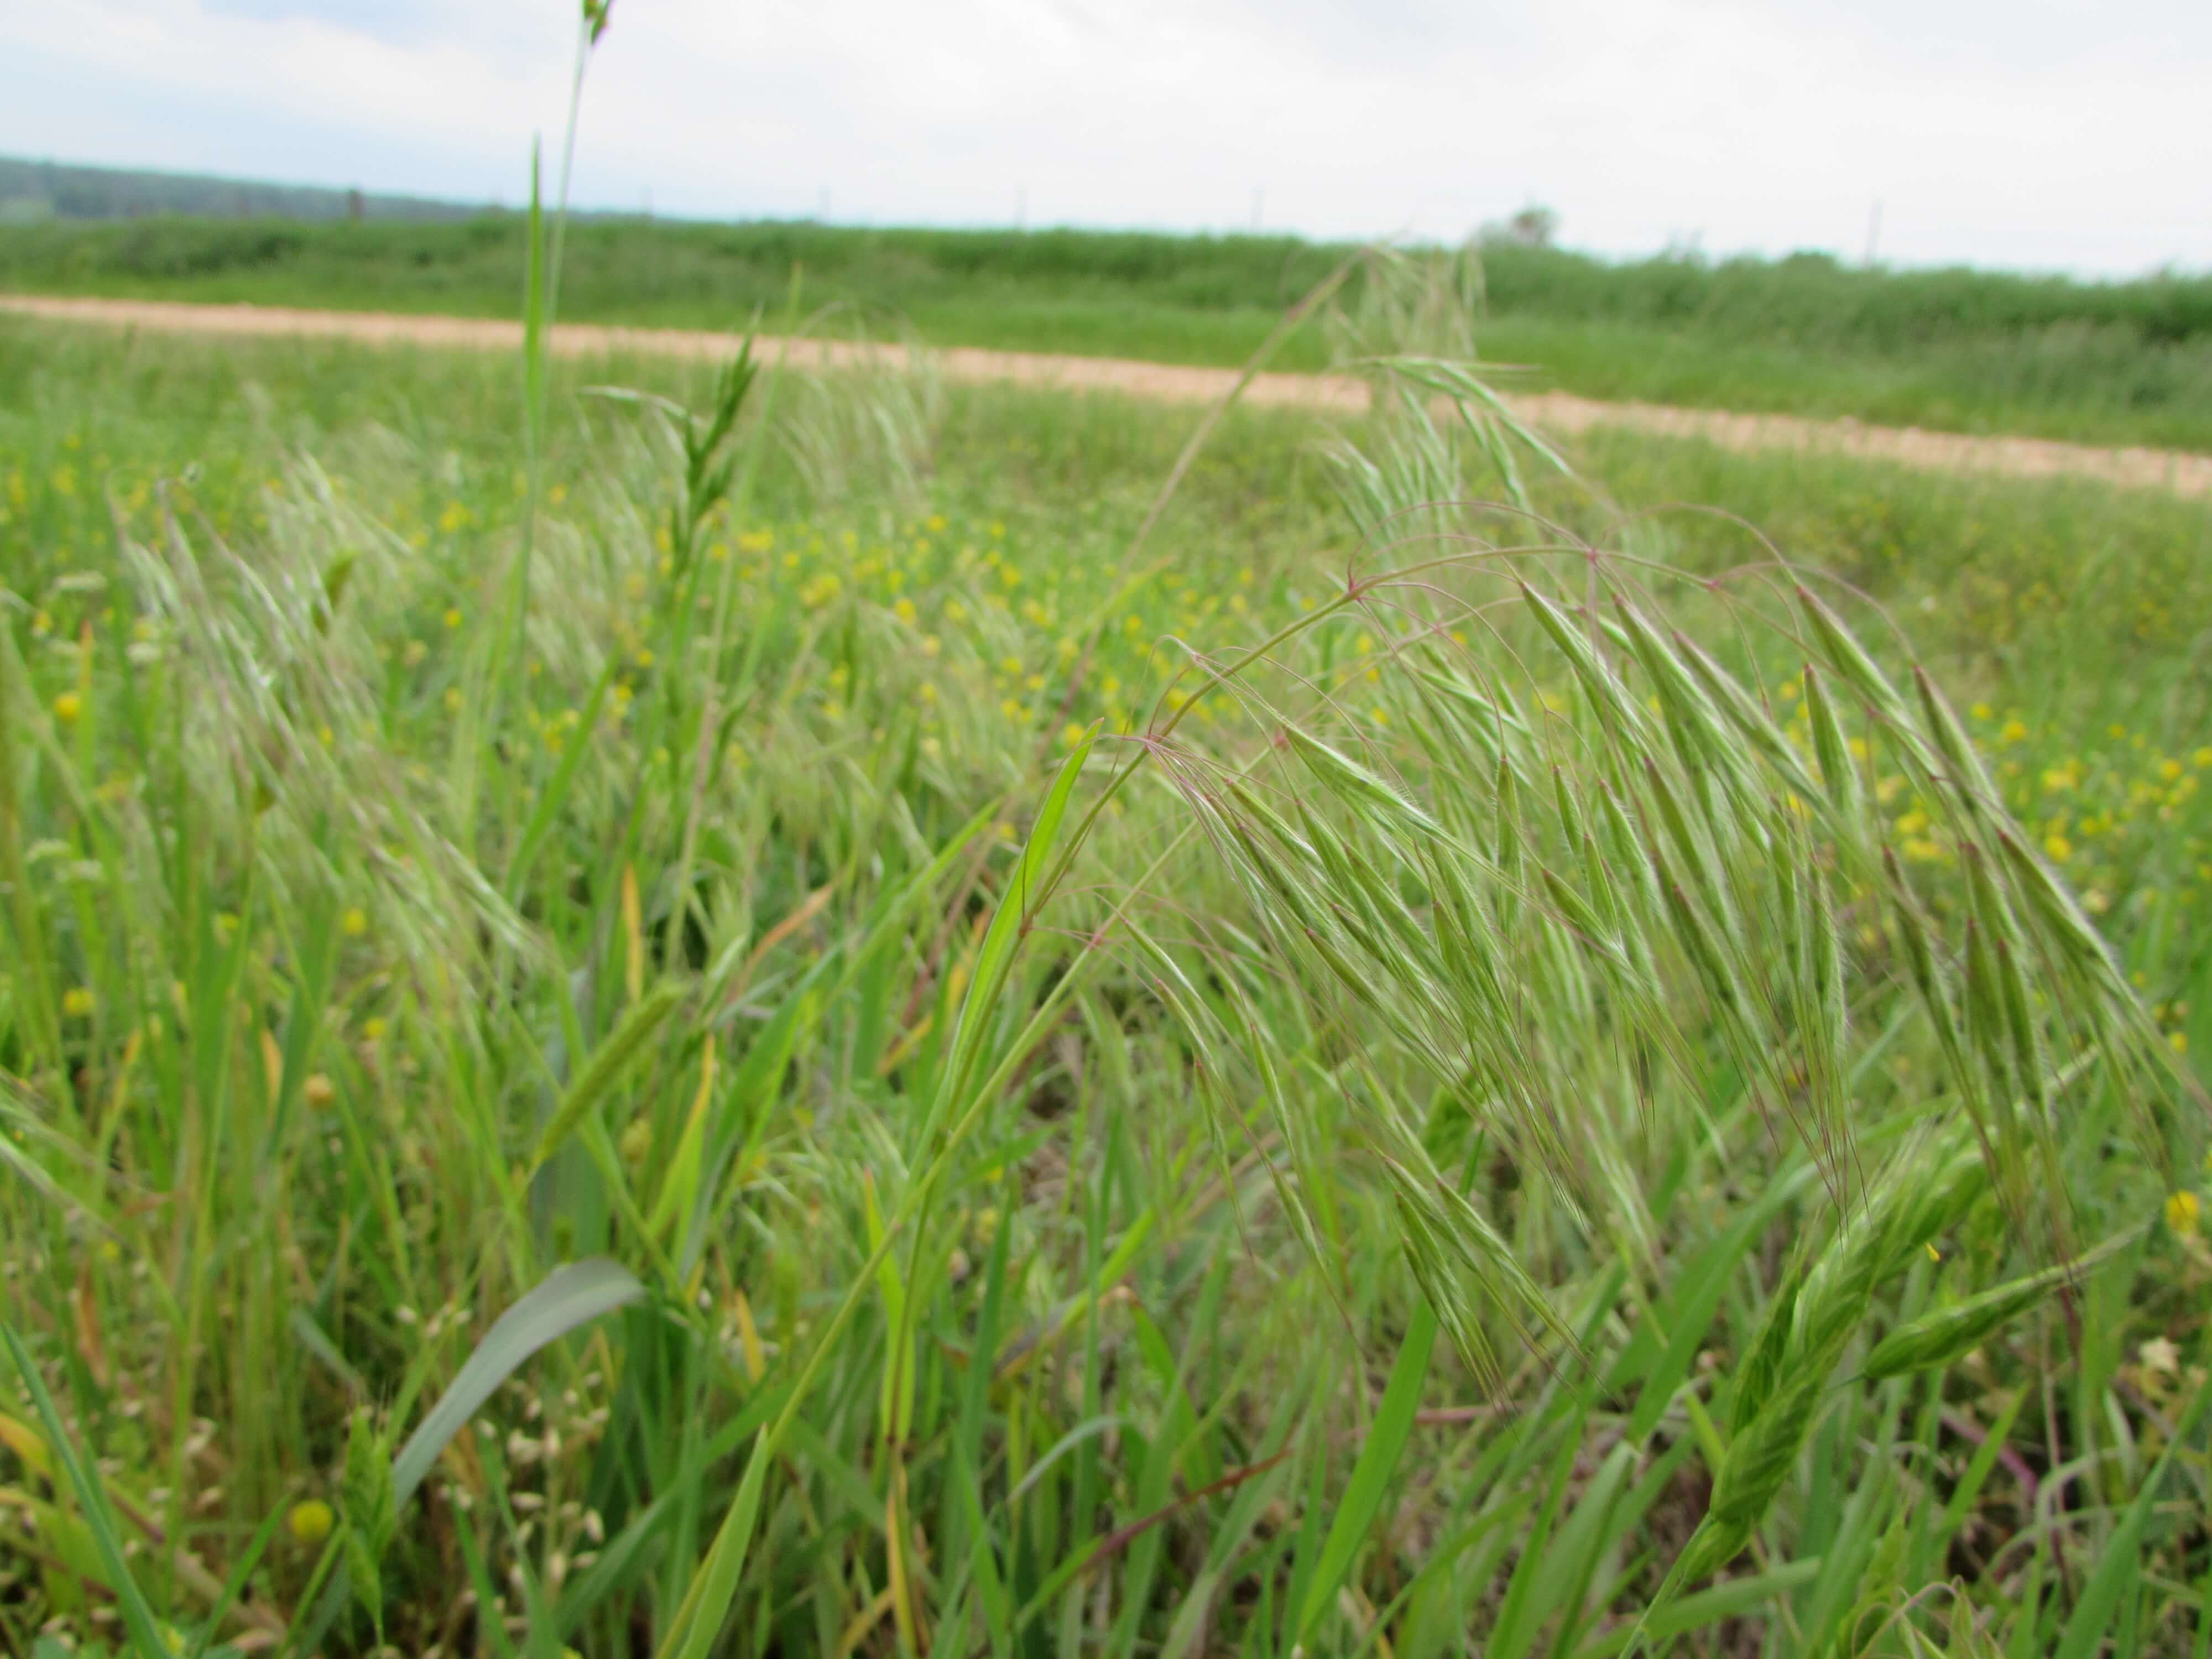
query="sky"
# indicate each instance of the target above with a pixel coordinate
(2024, 134)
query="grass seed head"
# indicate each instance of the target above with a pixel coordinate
(1761, 1368)
(1760, 1458)
(1849, 658)
(1971, 782)
(1712, 1547)
(1840, 774)
(1743, 712)
(1948, 1335)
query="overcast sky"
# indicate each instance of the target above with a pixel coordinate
(2044, 134)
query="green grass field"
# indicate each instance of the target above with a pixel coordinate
(2123, 362)
(1478, 1127)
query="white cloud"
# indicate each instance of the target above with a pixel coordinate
(2039, 133)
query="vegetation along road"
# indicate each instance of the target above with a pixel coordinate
(1557, 411)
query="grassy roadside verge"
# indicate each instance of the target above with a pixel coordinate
(2113, 363)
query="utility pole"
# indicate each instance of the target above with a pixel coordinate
(1873, 231)
(1259, 197)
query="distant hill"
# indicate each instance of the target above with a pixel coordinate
(31, 191)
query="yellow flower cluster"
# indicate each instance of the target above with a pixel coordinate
(989, 630)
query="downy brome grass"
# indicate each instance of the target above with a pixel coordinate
(793, 1016)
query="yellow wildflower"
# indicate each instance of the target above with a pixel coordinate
(310, 1522)
(2181, 1211)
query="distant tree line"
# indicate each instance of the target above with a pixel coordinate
(33, 190)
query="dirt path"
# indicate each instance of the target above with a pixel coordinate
(2179, 472)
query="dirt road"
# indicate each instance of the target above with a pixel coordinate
(1561, 412)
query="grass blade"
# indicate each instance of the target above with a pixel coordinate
(146, 1631)
(568, 1297)
(1370, 1474)
(2119, 1569)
